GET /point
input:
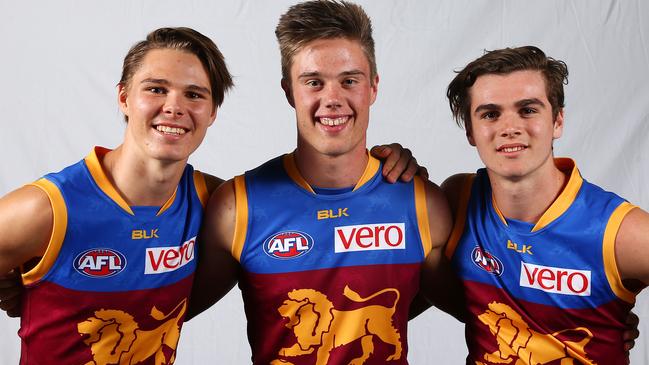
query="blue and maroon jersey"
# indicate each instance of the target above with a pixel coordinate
(112, 286)
(544, 293)
(328, 276)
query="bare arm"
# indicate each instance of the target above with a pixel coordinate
(26, 224)
(439, 285)
(217, 270)
(631, 250)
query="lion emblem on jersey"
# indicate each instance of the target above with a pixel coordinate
(318, 326)
(518, 343)
(115, 338)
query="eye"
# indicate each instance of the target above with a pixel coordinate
(349, 82)
(194, 95)
(156, 89)
(527, 111)
(490, 115)
(313, 83)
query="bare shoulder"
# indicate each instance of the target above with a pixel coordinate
(220, 215)
(632, 246)
(439, 215)
(212, 182)
(453, 187)
(26, 221)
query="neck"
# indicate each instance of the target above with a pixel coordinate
(327, 171)
(527, 198)
(141, 182)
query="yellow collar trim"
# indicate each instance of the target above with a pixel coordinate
(563, 201)
(290, 166)
(99, 175)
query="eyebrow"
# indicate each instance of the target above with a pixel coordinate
(316, 74)
(190, 87)
(531, 101)
(518, 104)
(487, 107)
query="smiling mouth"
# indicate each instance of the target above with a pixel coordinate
(170, 130)
(331, 122)
(511, 149)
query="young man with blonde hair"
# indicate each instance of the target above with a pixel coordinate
(330, 254)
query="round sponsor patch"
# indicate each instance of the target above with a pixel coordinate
(100, 262)
(288, 244)
(486, 261)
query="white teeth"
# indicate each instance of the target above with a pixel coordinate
(170, 130)
(333, 121)
(513, 149)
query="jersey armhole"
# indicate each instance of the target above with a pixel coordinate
(241, 220)
(201, 188)
(608, 251)
(422, 215)
(59, 227)
(460, 216)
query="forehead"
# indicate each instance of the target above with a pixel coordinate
(330, 55)
(172, 64)
(503, 89)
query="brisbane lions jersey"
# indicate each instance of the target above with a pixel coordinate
(112, 286)
(329, 274)
(544, 293)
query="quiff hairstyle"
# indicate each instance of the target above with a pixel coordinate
(502, 62)
(323, 19)
(187, 40)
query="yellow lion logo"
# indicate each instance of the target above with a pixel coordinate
(516, 341)
(318, 325)
(115, 338)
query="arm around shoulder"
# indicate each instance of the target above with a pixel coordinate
(217, 269)
(26, 221)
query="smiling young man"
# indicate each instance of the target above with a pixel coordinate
(96, 231)
(551, 263)
(330, 253)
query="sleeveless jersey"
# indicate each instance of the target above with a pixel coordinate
(112, 287)
(546, 293)
(328, 278)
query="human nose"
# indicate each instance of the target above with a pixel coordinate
(332, 96)
(173, 105)
(511, 126)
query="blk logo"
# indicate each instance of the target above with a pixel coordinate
(331, 213)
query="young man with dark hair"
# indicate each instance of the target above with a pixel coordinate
(550, 263)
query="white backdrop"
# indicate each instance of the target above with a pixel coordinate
(60, 61)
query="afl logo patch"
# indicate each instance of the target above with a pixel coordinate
(288, 244)
(100, 263)
(486, 261)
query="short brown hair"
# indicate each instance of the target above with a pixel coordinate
(504, 61)
(323, 19)
(183, 39)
